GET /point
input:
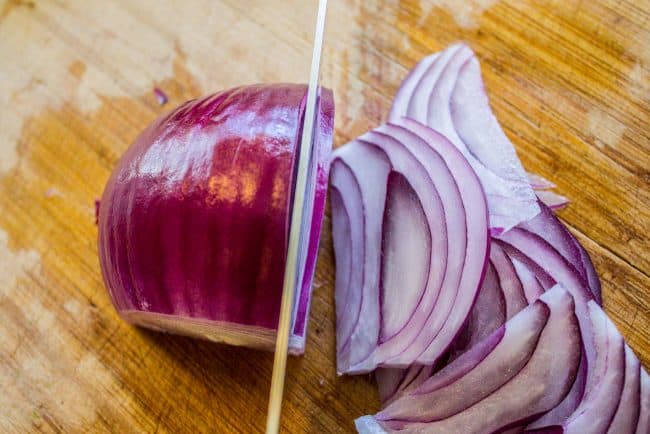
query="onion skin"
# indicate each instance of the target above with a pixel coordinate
(194, 218)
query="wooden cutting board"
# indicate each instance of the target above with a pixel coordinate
(569, 81)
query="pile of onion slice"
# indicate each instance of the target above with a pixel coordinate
(193, 221)
(445, 92)
(536, 352)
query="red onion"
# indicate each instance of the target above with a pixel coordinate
(408, 206)
(445, 91)
(193, 221)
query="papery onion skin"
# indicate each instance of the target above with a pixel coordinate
(193, 222)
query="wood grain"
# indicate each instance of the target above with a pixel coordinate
(569, 81)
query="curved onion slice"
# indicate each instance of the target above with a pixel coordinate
(406, 255)
(500, 382)
(512, 289)
(531, 284)
(445, 91)
(627, 414)
(487, 315)
(600, 402)
(542, 186)
(643, 426)
(552, 200)
(193, 221)
(538, 182)
(393, 382)
(363, 198)
(420, 194)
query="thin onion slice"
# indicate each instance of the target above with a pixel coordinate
(538, 182)
(488, 314)
(363, 197)
(393, 382)
(542, 187)
(627, 414)
(553, 200)
(607, 376)
(643, 425)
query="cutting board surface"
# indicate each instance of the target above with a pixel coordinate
(569, 81)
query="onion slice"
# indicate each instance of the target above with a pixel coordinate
(626, 417)
(552, 200)
(643, 426)
(542, 186)
(538, 182)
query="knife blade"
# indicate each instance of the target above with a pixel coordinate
(298, 230)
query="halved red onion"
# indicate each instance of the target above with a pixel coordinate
(445, 92)
(415, 192)
(501, 382)
(193, 221)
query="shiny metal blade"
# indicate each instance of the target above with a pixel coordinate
(297, 229)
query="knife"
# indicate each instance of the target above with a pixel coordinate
(297, 228)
